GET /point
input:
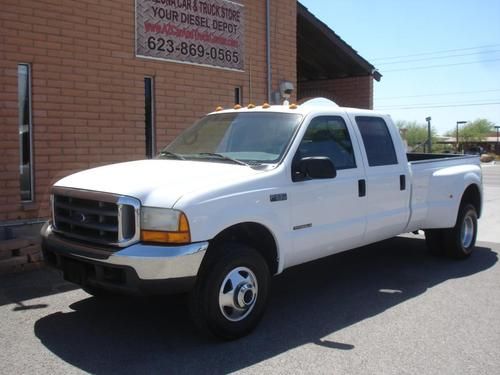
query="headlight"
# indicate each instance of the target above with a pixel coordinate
(164, 225)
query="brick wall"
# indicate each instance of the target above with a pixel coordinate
(88, 88)
(354, 92)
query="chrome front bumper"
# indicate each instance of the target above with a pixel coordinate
(148, 262)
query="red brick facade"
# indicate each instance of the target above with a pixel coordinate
(88, 86)
(354, 92)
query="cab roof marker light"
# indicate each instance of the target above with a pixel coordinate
(218, 109)
(266, 106)
(251, 106)
(237, 106)
(293, 106)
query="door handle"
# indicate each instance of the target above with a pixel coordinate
(362, 188)
(402, 182)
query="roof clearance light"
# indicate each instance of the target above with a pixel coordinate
(218, 109)
(293, 106)
(237, 106)
(251, 106)
(266, 106)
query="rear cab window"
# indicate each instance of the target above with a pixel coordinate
(377, 140)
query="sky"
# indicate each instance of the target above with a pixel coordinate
(438, 58)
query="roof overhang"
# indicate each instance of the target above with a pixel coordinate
(322, 54)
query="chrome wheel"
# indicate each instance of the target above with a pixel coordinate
(467, 232)
(230, 295)
(460, 240)
(238, 294)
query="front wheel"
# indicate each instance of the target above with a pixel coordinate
(461, 239)
(231, 292)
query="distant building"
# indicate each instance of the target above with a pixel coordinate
(489, 144)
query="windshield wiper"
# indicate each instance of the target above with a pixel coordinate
(174, 155)
(222, 157)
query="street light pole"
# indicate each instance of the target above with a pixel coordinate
(496, 147)
(429, 135)
(459, 123)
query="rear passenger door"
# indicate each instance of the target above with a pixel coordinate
(387, 189)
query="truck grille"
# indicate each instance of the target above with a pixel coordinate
(96, 217)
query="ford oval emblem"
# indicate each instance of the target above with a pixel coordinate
(80, 217)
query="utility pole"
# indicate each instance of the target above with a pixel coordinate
(429, 134)
(459, 123)
(497, 150)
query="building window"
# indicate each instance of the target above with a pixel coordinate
(25, 131)
(149, 116)
(238, 96)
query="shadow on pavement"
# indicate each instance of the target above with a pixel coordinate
(307, 303)
(20, 287)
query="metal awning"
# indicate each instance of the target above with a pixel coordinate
(322, 54)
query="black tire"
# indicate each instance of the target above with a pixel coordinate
(251, 274)
(461, 239)
(97, 292)
(434, 239)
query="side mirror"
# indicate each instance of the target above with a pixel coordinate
(316, 167)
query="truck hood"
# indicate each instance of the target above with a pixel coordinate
(157, 182)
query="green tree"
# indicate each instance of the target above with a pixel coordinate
(475, 131)
(415, 134)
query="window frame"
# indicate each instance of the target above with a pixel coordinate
(150, 133)
(30, 133)
(238, 95)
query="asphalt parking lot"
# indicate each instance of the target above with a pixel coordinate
(388, 308)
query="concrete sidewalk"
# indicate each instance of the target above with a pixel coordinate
(489, 224)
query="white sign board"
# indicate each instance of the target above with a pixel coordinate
(208, 32)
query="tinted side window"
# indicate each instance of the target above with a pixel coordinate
(377, 140)
(328, 136)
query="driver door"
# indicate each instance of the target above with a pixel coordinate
(328, 215)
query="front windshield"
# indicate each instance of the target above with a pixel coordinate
(252, 138)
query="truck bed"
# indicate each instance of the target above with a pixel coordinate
(438, 185)
(415, 157)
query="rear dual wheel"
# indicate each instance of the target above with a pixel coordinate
(457, 242)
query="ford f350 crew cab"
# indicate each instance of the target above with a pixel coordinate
(249, 192)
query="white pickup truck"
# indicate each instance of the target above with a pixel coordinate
(246, 193)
